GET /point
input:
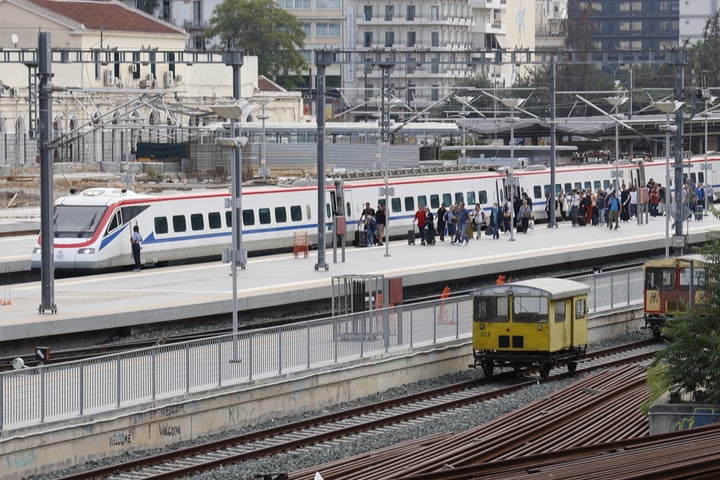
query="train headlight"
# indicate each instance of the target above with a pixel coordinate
(539, 327)
(481, 326)
(653, 295)
(86, 251)
(36, 250)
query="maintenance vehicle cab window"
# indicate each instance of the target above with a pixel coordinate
(530, 310)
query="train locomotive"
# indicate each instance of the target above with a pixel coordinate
(532, 323)
(672, 286)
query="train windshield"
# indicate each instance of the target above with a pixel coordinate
(490, 309)
(698, 278)
(76, 221)
(530, 310)
(660, 278)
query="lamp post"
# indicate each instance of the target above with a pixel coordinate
(512, 104)
(236, 255)
(668, 107)
(709, 101)
(616, 102)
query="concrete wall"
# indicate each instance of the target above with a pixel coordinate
(668, 417)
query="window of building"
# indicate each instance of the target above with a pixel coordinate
(307, 29)
(434, 93)
(435, 39)
(434, 13)
(389, 12)
(410, 13)
(367, 39)
(327, 4)
(367, 13)
(327, 29)
(389, 39)
(411, 39)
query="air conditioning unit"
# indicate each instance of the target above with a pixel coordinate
(150, 77)
(143, 84)
(109, 77)
(169, 79)
(13, 92)
(133, 68)
(178, 79)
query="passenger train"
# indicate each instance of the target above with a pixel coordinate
(92, 229)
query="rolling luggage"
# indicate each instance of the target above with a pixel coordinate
(360, 238)
(582, 221)
(698, 212)
(489, 230)
(411, 237)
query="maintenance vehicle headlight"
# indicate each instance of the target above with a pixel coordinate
(86, 251)
(36, 250)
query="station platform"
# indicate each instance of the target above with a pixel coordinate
(153, 296)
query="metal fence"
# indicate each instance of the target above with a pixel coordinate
(58, 392)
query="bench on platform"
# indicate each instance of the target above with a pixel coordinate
(300, 244)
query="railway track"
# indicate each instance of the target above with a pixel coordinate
(366, 420)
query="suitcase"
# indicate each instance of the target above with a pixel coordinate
(582, 221)
(360, 239)
(411, 237)
(489, 230)
(698, 212)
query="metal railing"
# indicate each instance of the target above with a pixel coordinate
(59, 392)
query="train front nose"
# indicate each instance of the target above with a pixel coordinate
(67, 258)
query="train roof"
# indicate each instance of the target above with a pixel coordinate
(683, 260)
(552, 288)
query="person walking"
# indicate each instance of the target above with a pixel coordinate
(135, 242)
(440, 217)
(420, 220)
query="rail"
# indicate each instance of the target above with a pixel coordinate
(59, 392)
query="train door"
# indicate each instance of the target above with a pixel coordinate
(561, 323)
(579, 319)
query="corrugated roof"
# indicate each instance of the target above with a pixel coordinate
(112, 16)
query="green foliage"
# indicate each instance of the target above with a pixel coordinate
(703, 56)
(656, 384)
(149, 6)
(262, 29)
(692, 356)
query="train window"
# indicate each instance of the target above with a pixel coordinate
(348, 211)
(409, 204)
(568, 188)
(698, 276)
(128, 213)
(434, 201)
(328, 211)
(295, 213)
(214, 220)
(546, 189)
(537, 193)
(560, 311)
(596, 185)
(558, 189)
(179, 223)
(248, 217)
(115, 222)
(459, 197)
(606, 184)
(447, 199)
(530, 310)
(482, 197)
(280, 215)
(396, 205)
(578, 186)
(228, 219)
(381, 202)
(701, 177)
(490, 309)
(422, 200)
(471, 198)
(264, 216)
(197, 222)
(161, 225)
(580, 307)
(588, 185)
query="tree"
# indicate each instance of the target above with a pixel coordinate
(702, 57)
(691, 360)
(261, 29)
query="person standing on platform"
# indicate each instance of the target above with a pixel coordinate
(462, 223)
(440, 216)
(368, 210)
(420, 220)
(524, 214)
(370, 229)
(135, 242)
(451, 221)
(477, 217)
(429, 227)
(614, 205)
(507, 216)
(380, 220)
(495, 220)
(574, 207)
(562, 204)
